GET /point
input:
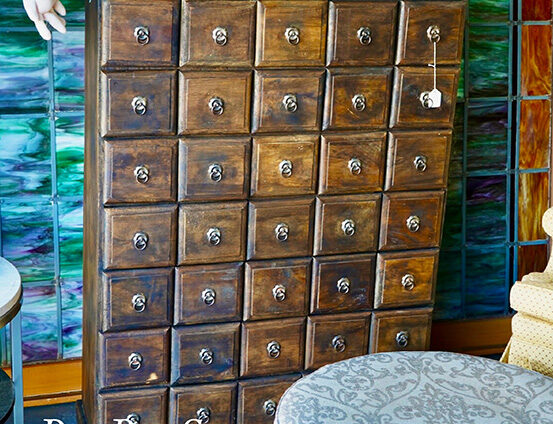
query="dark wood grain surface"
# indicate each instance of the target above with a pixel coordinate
(150, 405)
(218, 401)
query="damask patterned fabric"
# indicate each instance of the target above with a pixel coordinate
(418, 388)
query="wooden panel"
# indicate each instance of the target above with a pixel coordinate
(209, 403)
(400, 330)
(149, 406)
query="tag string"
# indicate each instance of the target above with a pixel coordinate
(434, 66)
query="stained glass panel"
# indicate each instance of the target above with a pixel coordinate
(535, 133)
(70, 155)
(533, 200)
(535, 61)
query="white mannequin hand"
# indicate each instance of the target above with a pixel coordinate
(45, 10)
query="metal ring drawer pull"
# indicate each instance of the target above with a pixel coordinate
(214, 236)
(279, 293)
(286, 168)
(142, 35)
(269, 407)
(292, 35)
(209, 296)
(193, 421)
(282, 232)
(359, 102)
(139, 105)
(273, 349)
(140, 240)
(364, 36)
(402, 339)
(339, 343)
(135, 361)
(355, 166)
(203, 415)
(133, 418)
(142, 174)
(216, 105)
(206, 356)
(215, 172)
(408, 282)
(290, 102)
(426, 101)
(343, 285)
(413, 223)
(433, 33)
(220, 36)
(348, 227)
(139, 302)
(420, 163)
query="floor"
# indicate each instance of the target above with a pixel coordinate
(64, 412)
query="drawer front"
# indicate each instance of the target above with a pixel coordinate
(411, 220)
(203, 353)
(287, 100)
(140, 237)
(272, 347)
(209, 403)
(139, 171)
(342, 283)
(280, 229)
(144, 406)
(276, 289)
(140, 33)
(258, 399)
(291, 33)
(208, 293)
(284, 165)
(213, 232)
(417, 19)
(409, 108)
(214, 169)
(134, 358)
(346, 224)
(400, 330)
(134, 299)
(138, 103)
(361, 33)
(418, 160)
(405, 279)
(217, 33)
(357, 99)
(334, 338)
(352, 163)
(217, 102)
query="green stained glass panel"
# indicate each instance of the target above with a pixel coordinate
(71, 313)
(452, 233)
(70, 155)
(69, 70)
(71, 239)
(484, 11)
(448, 292)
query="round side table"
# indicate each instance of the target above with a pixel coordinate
(10, 307)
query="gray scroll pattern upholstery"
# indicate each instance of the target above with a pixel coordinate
(417, 388)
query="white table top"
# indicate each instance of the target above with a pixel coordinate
(10, 287)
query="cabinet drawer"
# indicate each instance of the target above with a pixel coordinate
(333, 338)
(291, 33)
(287, 100)
(209, 403)
(214, 102)
(214, 169)
(280, 229)
(342, 283)
(205, 353)
(140, 237)
(400, 330)
(212, 232)
(138, 103)
(217, 33)
(276, 289)
(417, 19)
(361, 33)
(140, 171)
(405, 279)
(272, 347)
(357, 98)
(352, 163)
(134, 299)
(418, 160)
(409, 109)
(284, 165)
(208, 293)
(134, 358)
(346, 224)
(144, 406)
(140, 33)
(411, 220)
(258, 399)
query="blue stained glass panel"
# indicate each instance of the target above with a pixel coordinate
(69, 70)
(72, 311)
(453, 223)
(448, 292)
(71, 238)
(70, 155)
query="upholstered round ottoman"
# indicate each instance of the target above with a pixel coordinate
(417, 388)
